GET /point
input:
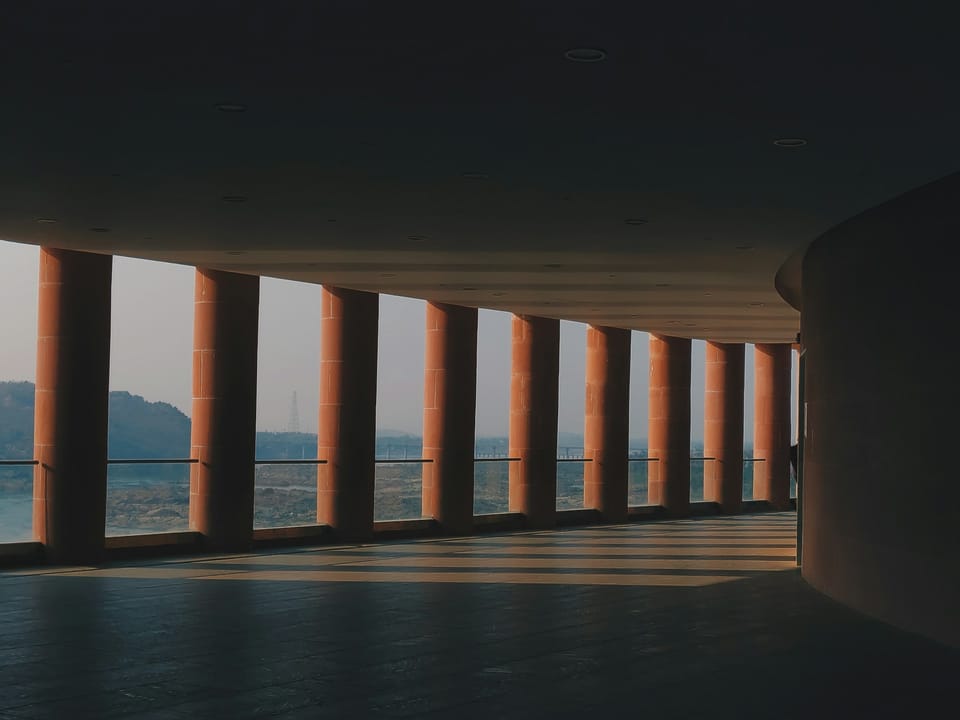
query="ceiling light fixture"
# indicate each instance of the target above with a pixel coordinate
(790, 142)
(585, 55)
(230, 107)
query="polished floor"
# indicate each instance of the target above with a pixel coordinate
(703, 618)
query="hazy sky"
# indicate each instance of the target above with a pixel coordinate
(152, 339)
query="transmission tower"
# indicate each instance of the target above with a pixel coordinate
(293, 424)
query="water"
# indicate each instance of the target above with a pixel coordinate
(16, 516)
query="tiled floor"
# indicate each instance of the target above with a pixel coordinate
(685, 619)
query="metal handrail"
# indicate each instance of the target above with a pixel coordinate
(150, 461)
(497, 459)
(565, 459)
(647, 459)
(754, 459)
(283, 461)
(19, 462)
(403, 460)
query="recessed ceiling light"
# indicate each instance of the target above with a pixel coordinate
(230, 107)
(636, 221)
(46, 221)
(474, 175)
(585, 55)
(100, 229)
(234, 198)
(790, 142)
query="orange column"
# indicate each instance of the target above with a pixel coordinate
(449, 415)
(771, 424)
(669, 430)
(348, 411)
(72, 396)
(723, 425)
(534, 393)
(223, 426)
(607, 422)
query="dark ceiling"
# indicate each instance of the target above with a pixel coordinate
(452, 152)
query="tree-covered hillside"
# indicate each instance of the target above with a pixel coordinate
(137, 429)
(16, 420)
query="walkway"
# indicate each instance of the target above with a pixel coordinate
(680, 619)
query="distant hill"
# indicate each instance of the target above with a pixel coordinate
(16, 420)
(138, 429)
(142, 429)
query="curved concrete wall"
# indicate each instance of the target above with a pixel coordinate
(881, 507)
